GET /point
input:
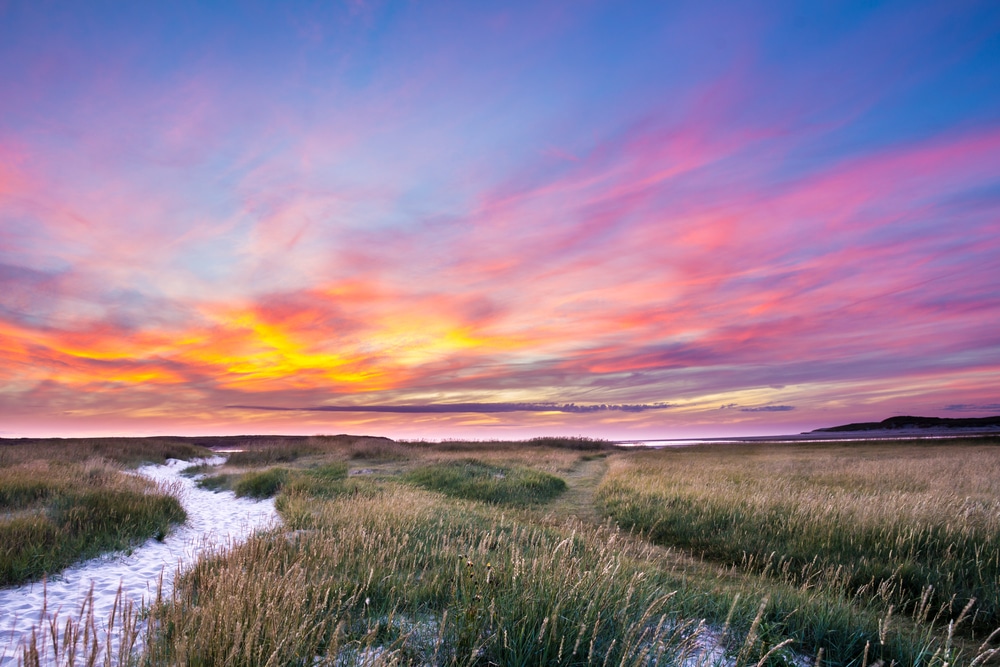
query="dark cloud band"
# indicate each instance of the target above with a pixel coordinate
(973, 407)
(479, 408)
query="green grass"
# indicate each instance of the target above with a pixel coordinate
(475, 480)
(222, 482)
(260, 485)
(322, 481)
(57, 514)
(66, 500)
(325, 481)
(907, 530)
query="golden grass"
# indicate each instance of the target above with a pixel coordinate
(403, 576)
(914, 528)
(370, 570)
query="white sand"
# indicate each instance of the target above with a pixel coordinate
(215, 521)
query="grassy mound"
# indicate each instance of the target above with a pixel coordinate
(474, 480)
(260, 485)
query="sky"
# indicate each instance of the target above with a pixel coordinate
(497, 220)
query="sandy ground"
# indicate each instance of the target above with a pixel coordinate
(215, 521)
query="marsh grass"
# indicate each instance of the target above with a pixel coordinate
(404, 565)
(84, 640)
(476, 480)
(268, 456)
(126, 451)
(402, 576)
(260, 485)
(912, 531)
(263, 451)
(574, 444)
(322, 480)
(220, 482)
(54, 514)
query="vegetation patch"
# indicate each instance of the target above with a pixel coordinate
(220, 482)
(756, 555)
(325, 481)
(126, 451)
(913, 531)
(58, 514)
(410, 578)
(475, 480)
(262, 484)
(270, 455)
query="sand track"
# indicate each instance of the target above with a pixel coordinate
(215, 521)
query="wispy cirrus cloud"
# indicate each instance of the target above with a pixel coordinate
(351, 221)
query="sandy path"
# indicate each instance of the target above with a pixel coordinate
(215, 520)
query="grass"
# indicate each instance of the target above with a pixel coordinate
(263, 451)
(129, 452)
(905, 530)
(416, 578)
(260, 485)
(537, 553)
(475, 480)
(322, 480)
(53, 514)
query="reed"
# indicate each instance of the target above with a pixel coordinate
(126, 451)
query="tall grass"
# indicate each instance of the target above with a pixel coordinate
(54, 514)
(84, 640)
(914, 528)
(399, 567)
(402, 576)
(259, 485)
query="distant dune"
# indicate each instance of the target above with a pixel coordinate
(908, 423)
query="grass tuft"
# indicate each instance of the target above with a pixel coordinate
(476, 480)
(260, 485)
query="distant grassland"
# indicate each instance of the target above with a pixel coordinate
(465, 553)
(913, 526)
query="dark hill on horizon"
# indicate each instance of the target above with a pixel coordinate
(907, 422)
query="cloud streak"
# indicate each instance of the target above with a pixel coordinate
(471, 408)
